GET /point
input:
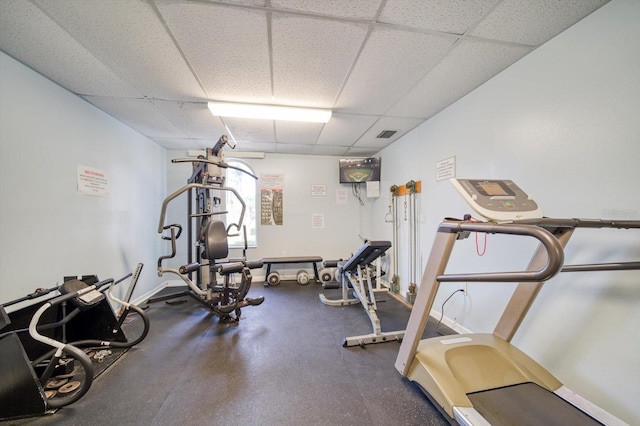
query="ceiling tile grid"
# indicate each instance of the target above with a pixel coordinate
(312, 58)
(193, 118)
(139, 114)
(533, 22)
(399, 124)
(128, 37)
(231, 61)
(391, 62)
(80, 71)
(343, 129)
(378, 64)
(469, 64)
(449, 16)
(349, 9)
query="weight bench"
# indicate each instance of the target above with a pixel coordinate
(356, 272)
(273, 278)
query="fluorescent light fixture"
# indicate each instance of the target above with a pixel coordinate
(269, 112)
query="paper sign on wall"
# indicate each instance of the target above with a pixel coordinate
(92, 181)
(317, 221)
(373, 189)
(341, 196)
(446, 169)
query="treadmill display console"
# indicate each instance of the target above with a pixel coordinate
(497, 200)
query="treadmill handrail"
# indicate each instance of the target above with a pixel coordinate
(611, 266)
(555, 252)
(549, 222)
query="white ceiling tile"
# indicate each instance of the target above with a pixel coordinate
(231, 61)
(260, 3)
(329, 150)
(361, 152)
(312, 50)
(184, 143)
(451, 16)
(139, 114)
(468, 65)
(297, 132)
(400, 124)
(244, 129)
(354, 9)
(288, 148)
(37, 41)
(255, 147)
(343, 129)
(533, 22)
(391, 63)
(153, 64)
(194, 118)
(129, 39)
(171, 143)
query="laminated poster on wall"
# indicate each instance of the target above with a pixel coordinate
(92, 181)
(271, 199)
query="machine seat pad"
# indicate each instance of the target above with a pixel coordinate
(84, 301)
(216, 245)
(369, 252)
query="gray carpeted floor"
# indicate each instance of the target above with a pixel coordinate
(282, 365)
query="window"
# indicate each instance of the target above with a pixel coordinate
(246, 187)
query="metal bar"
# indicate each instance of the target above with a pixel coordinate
(615, 266)
(165, 203)
(554, 251)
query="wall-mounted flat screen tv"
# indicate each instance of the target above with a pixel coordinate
(356, 170)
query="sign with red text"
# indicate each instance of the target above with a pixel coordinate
(92, 181)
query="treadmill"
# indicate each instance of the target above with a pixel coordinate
(482, 379)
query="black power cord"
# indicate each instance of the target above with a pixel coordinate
(442, 309)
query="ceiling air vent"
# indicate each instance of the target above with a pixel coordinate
(386, 134)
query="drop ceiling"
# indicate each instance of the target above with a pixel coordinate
(380, 65)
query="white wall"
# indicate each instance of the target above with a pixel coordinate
(563, 124)
(47, 229)
(296, 237)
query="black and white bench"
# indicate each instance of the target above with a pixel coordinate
(355, 272)
(302, 276)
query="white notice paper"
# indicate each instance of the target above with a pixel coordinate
(92, 181)
(446, 169)
(373, 188)
(317, 221)
(341, 196)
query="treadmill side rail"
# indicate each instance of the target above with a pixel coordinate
(589, 407)
(467, 416)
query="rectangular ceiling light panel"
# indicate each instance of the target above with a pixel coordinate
(269, 112)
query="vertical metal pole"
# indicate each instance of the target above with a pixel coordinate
(394, 206)
(189, 230)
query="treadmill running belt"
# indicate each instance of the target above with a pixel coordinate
(527, 404)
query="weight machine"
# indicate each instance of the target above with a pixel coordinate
(210, 260)
(43, 367)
